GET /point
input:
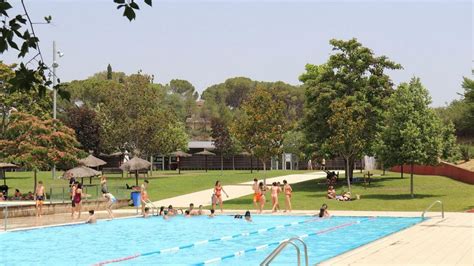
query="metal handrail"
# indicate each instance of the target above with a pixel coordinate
(282, 246)
(432, 204)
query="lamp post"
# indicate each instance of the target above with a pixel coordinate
(54, 66)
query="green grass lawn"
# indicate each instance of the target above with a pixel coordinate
(386, 193)
(163, 184)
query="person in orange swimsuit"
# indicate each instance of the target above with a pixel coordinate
(218, 189)
(255, 193)
(288, 190)
(261, 196)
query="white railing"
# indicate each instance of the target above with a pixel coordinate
(282, 246)
(432, 204)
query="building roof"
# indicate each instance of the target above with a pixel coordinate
(209, 145)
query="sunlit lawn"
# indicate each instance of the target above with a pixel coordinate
(163, 184)
(387, 193)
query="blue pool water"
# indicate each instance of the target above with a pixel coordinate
(118, 239)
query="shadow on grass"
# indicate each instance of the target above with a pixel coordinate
(399, 196)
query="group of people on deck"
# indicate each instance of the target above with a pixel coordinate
(276, 188)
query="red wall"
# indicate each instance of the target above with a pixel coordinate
(444, 169)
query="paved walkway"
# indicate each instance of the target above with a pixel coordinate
(203, 197)
(437, 241)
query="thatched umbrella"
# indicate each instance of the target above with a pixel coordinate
(179, 154)
(135, 164)
(4, 166)
(92, 161)
(205, 153)
(81, 172)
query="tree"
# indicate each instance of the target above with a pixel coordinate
(468, 85)
(38, 144)
(109, 72)
(134, 117)
(348, 123)
(261, 127)
(86, 125)
(412, 133)
(12, 100)
(222, 139)
(353, 73)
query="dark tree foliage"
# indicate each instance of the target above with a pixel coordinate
(85, 123)
(109, 72)
(221, 136)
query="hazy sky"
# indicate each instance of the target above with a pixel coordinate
(207, 42)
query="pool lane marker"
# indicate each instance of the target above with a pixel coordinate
(242, 252)
(178, 248)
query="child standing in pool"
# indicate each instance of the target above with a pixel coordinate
(288, 190)
(218, 189)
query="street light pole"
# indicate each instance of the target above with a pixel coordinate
(55, 65)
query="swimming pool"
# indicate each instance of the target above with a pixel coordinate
(194, 241)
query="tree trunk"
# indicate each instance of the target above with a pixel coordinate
(411, 181)
(233, 162)
(347, 175)
(401, 171)
(206, 162)
(351, 168)
(222, 162)
(35, 179)
(151, 167)
(136, 177)
(251, 164)
(264, 173)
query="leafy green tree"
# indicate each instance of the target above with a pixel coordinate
(261, 127)
(222, 139)
(86, 125)
(468, 85)
(134, 118)
(348, 123)
(12, 100)
(109, 72)
(352, 73)
(412, 133)
(38, 144)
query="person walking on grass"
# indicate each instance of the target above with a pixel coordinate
(288, 190)
(275, 191)
(40, 196)
(218, 189)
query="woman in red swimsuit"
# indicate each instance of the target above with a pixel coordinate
(77, 200)
(218, 189)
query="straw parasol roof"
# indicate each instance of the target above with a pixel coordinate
(180, 154)
(81, 172)
(92, 161)
(205, 152)
(244, 153)
(7, 165)
(135, 164)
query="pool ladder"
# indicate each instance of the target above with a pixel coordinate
(282, 246)
(432, 204)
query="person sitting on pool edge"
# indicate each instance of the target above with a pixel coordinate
(91, 219)
(146, 212)
(323, 212)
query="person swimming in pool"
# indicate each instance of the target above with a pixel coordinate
(212, 215)
(91, 219)
(323, 212)
(246, 216)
